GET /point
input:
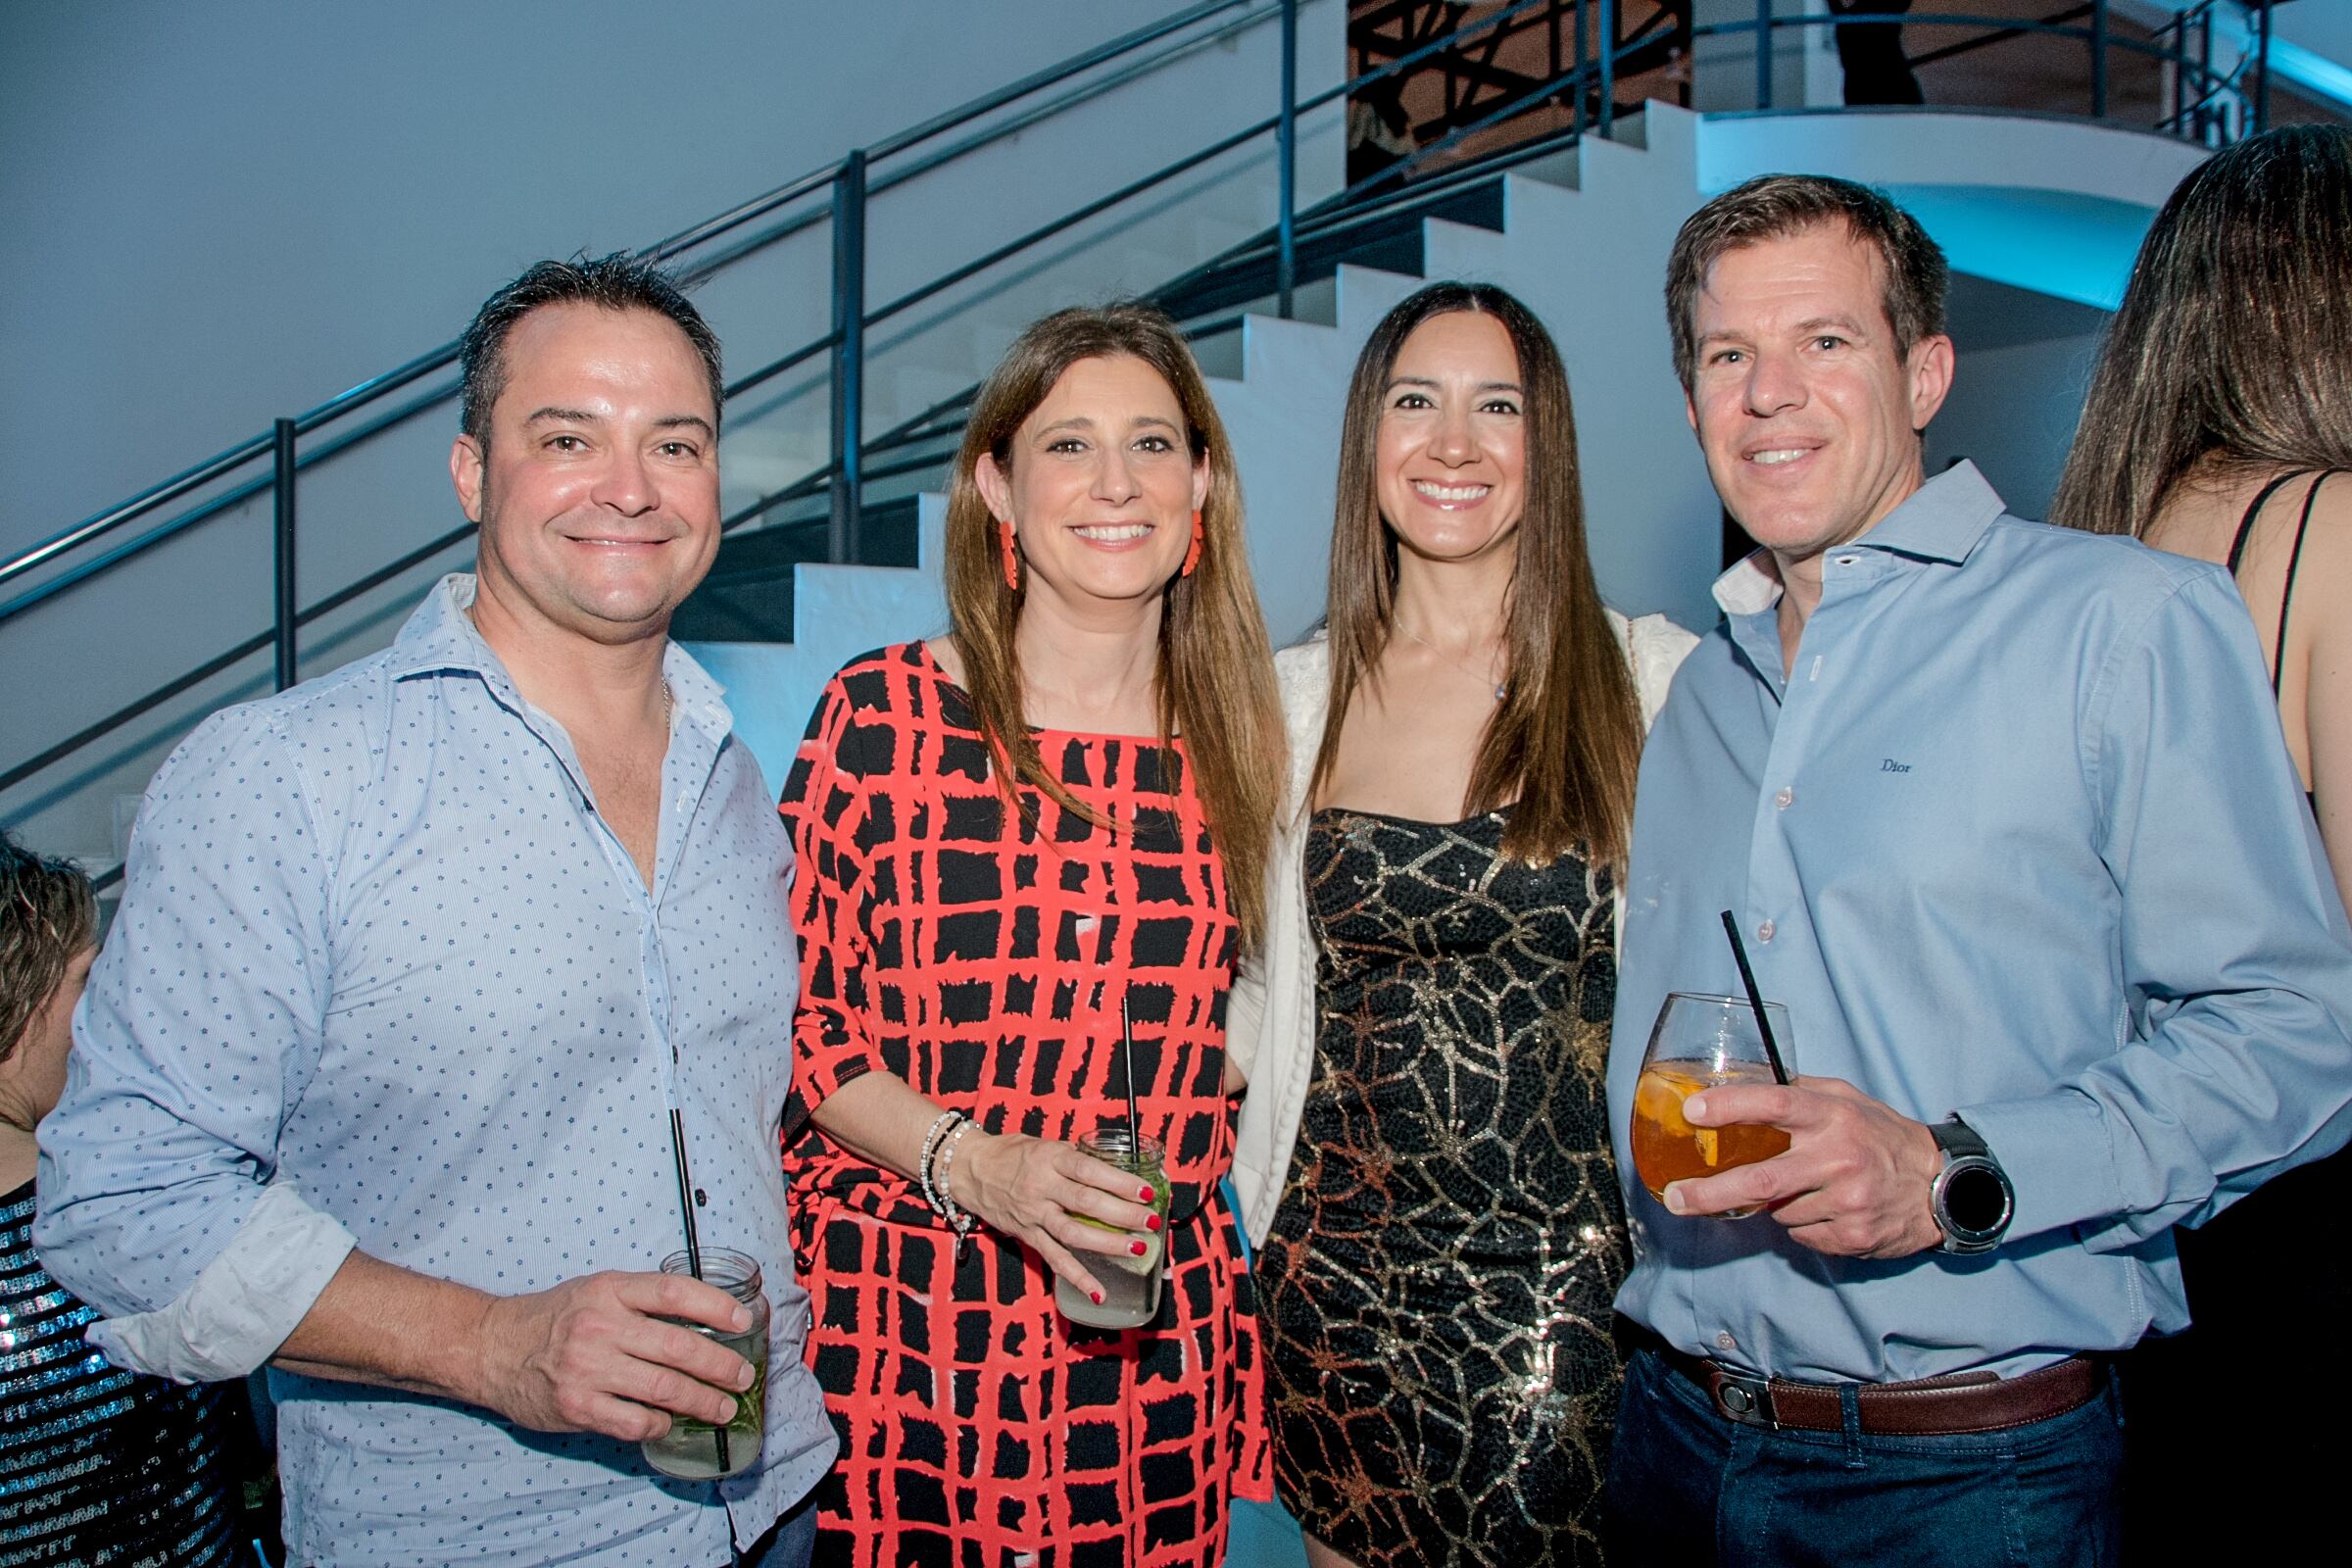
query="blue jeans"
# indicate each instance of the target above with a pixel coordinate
(788, 1543)
(1688, 1487)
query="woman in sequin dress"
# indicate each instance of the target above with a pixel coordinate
(1425, 1153)
(1005, 838)
(98, 1468)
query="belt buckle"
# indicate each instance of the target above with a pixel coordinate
(1744, 1399)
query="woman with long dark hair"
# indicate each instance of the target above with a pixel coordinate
(2218, 425)
(1022, 846)
(1425, 1151)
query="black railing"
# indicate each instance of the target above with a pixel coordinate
(2088, 23)
(110, 542)
(1588, 81)
(368, 394)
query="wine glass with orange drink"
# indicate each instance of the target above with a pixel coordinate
(1700, 1041)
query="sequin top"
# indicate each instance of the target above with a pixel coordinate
(98, 1467)
(1436, 1283)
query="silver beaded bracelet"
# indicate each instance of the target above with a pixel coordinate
(940, 1125)
(957, 1218)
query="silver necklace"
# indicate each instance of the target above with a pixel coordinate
(1503, 689)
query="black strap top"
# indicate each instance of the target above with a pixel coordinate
(2245, 531)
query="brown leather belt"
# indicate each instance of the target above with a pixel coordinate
(1933, 1408)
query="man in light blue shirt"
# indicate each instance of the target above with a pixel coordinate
(2005, 818)
(417, 963)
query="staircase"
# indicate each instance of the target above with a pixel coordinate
(2039, 214)
(834, 532)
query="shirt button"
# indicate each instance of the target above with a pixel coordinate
(1725, 1341)
(1764, 932)
(1785, 799)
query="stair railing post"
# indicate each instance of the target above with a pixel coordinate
(1609, 65)
(2205, 77)
(1580, 69)
(849, 356)
(2098, 59)
(282, 532)
(1286, 136)
(1763, 54)
(2261, 72)
(2175, 56)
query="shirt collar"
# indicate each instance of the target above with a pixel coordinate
(1941, 520)
(440, 635)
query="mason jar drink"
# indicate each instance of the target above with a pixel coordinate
(697, 1451)
(1130, 1285)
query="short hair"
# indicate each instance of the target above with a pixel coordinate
(48, 914)
(616, 282)
(1778, 205)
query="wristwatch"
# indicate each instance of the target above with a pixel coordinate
(1972, 1197)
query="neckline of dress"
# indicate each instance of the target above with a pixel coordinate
(938, 673)
(1413, 821)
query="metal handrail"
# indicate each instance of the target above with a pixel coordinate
(288, 461)
(2097, 36)
(850, 185)
(235, 457)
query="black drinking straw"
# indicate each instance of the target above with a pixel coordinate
(1755, 999)
(694, 1242)
(1135, 1136)
(678, 1147)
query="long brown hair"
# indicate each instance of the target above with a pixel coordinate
(1566, 742)
(1215, 675)
(2230, 342)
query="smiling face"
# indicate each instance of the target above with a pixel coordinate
(1102, 485)
(1808, 416)
(599, 495)
(1451, 445)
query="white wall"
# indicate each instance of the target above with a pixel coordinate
(2024, 364)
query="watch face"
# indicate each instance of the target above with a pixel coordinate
(1975, 1199)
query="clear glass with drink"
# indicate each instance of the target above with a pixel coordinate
(1130, 1285)
(1700, 1041)
(697, 1451)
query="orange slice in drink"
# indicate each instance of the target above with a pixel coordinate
(1708, 1148)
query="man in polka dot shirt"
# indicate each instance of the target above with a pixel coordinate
(375, 1081)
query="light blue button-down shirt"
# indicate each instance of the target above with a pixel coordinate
(383, 976)
(2017, 837)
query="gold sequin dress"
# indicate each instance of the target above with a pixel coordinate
(1436, 1287)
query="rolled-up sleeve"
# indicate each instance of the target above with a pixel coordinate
(2237, 1063)
(202, 1023)
(825, 806)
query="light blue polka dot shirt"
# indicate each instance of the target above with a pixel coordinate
(383, 977)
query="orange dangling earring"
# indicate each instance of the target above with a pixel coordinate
(1192, 556)
(1013, 561)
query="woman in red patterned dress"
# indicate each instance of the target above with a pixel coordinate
(1004, 837)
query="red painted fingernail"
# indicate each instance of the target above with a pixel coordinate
(1152, 1222)
(1144, 1197)
(1098, 1295)
(1138, 1249)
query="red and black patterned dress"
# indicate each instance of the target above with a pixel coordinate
(983, 962)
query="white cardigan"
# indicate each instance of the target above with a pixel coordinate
(1270, 1020)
